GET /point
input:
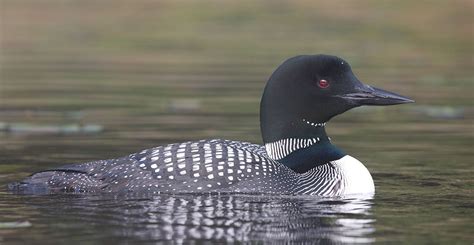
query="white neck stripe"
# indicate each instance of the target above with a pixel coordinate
(282, 148)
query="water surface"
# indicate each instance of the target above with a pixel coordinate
(83, 81)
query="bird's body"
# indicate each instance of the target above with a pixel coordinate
(297, 156)
(218, 166)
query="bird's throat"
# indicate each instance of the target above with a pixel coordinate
(304, 147)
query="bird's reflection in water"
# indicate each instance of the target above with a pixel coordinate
(226, 218)
(243, 218)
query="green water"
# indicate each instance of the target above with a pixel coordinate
(84, 80)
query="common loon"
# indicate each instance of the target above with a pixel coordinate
(300, 97)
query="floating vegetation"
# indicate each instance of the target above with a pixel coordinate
(440, 112)
(29, 128)
(15, 225)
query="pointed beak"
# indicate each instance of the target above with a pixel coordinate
(367, 95)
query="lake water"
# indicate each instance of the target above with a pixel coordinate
(89, 81)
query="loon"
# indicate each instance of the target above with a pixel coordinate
(297, 157)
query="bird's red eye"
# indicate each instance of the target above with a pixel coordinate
(323, 83)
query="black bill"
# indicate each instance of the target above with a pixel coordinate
(367, 95)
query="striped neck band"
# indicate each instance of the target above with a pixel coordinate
(282, 148)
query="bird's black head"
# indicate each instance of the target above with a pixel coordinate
(313, 88)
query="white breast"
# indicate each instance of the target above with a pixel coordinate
(356, 177)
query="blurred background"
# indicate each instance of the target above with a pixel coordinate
(85, 80)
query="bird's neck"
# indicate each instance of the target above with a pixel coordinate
(301, 145)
